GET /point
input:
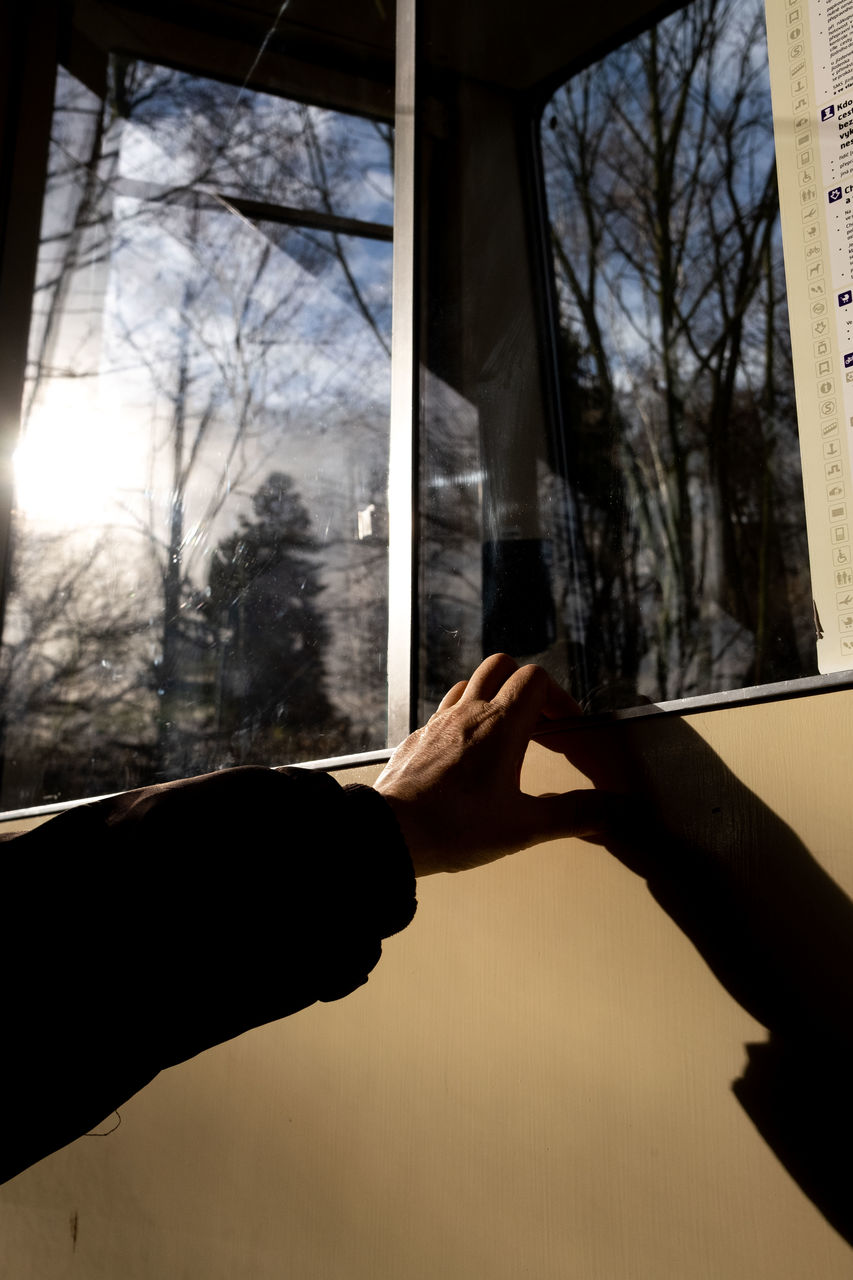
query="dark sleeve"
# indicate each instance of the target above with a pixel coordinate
(138, 931)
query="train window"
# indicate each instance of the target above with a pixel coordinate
(629, 511)
(676, 384)
(199, 544)
(237, 538)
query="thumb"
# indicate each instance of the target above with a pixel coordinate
(589, 813)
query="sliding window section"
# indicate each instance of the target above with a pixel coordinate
(200, 540)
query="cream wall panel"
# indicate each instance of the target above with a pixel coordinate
(535, 1082)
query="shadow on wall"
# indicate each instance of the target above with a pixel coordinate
(774, 928)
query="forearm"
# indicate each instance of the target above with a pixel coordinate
(143, 929)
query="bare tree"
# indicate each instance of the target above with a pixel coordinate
(73, 651)
(228, 341)
(662, 192)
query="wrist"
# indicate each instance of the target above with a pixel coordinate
(411, 828)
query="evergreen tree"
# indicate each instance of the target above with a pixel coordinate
(271, 633)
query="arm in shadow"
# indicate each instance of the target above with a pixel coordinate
(775, 929)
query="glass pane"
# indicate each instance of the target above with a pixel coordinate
(637, 519)
(200, 545)
(184, 132)
(675, 363)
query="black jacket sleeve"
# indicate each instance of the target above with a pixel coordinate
(139, 930)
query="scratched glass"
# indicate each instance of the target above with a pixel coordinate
(200, 538)
(639, 528)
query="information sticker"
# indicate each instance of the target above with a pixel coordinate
(810, 45)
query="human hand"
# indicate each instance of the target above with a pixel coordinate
(454, 784)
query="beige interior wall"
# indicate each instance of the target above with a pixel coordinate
(535, 1082)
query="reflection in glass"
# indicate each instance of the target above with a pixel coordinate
(205, 416)
(637, 520)
(680, 435)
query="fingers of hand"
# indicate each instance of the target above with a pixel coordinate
(590, 814)
(453, 695)
(603, 755)
(529, 694)
(532, 683)
(490, 677)
(500, 679)
(559, 704)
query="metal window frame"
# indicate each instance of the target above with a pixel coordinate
(402, 464)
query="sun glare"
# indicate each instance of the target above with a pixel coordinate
(70, 465)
